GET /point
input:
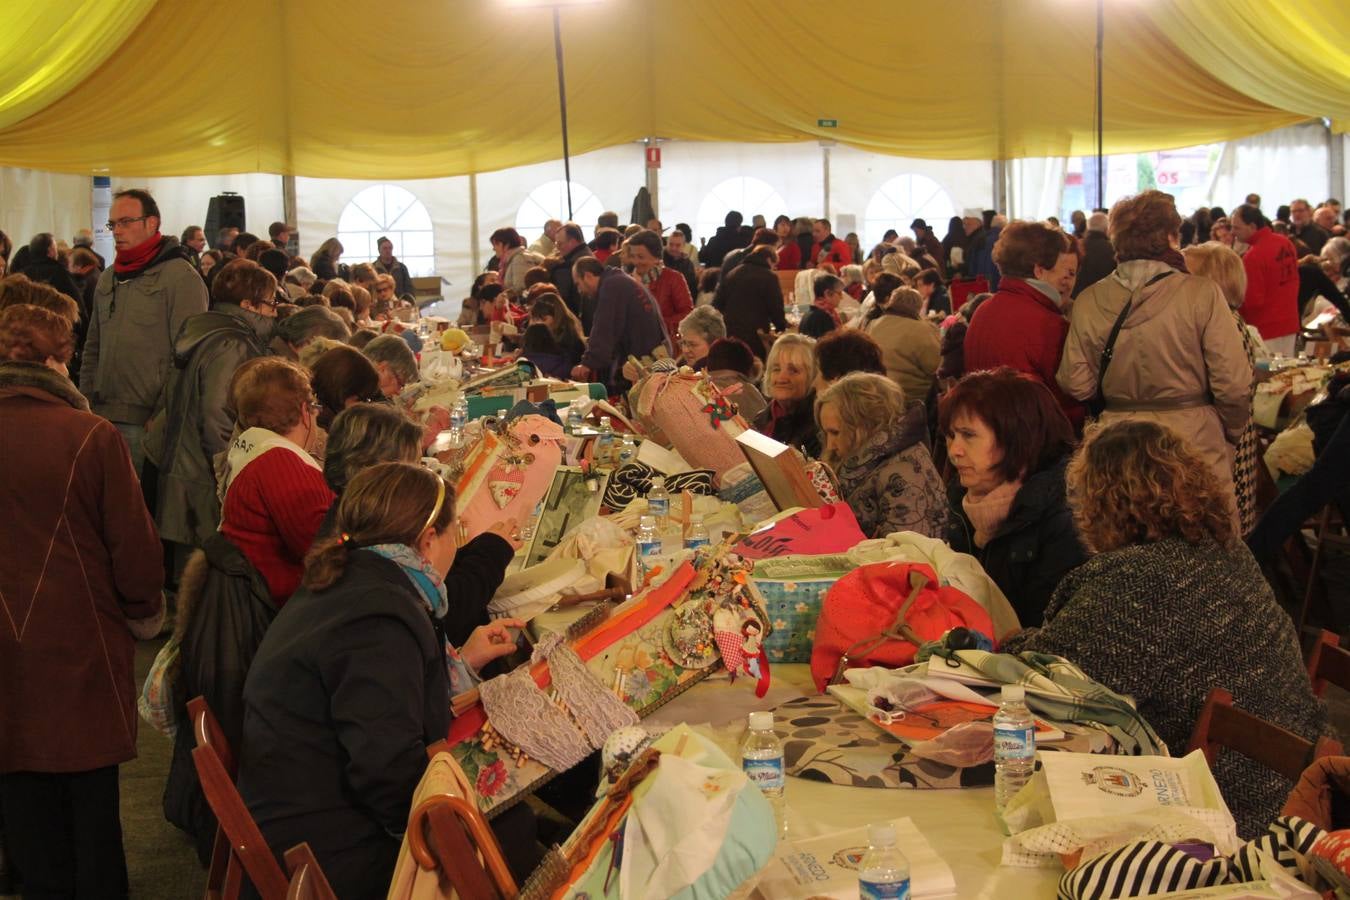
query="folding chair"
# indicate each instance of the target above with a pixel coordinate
(1328, 661)
(449, 836)
(1221, 724)
(307, 879)
(240, 848)
(1330, 533)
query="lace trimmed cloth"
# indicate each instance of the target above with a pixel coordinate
(558, 734)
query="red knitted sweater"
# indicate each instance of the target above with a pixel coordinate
(272, 512)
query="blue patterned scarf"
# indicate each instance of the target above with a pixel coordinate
(427, 580)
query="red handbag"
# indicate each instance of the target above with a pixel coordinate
(879, 615)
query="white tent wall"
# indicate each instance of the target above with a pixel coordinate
(1279, 165)
(183, 201)
(32, 202)
(766, 179)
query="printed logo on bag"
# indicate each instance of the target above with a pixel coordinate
(1111, 780)
(849, 857)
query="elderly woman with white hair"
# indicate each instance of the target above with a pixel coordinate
(697, 332)
(789, 376)
(879, 451)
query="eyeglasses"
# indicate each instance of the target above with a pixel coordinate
(124, 222)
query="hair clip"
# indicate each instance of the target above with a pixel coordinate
(345, 539)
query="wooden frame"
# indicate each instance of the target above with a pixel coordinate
(307, 878)
(1328, 662)
(1221, 724)
(569, 502)
(780, 470)
(246, 850)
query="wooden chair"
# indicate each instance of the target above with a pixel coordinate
(307, 878)
(1330, 534)
(245, 851)
(449, 836)
(1328, 661)
(1221, 724)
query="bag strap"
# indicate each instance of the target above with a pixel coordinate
(1109, 349)
(897, 631)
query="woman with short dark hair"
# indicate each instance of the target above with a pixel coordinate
(750, 299)
(1171, 605)
(1009, 442)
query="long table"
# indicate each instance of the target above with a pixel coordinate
(959, 824)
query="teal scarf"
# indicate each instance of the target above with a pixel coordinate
(427, 580)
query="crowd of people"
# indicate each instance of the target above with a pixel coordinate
(225, 434)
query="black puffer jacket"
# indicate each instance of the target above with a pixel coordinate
(196, 423)
(346, 692)
(224, 609)
(1035, 547)
(750, 299)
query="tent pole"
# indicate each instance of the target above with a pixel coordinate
(825, 163)
(1101, 32)
(473, 223)
(562, 105)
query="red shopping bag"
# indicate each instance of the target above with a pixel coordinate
(880, 613)
(826, 529)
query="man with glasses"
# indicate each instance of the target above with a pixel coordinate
(140, 303)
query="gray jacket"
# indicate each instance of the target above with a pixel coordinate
(129, 350)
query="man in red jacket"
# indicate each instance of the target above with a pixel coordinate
(828, 248)
(1271, 302)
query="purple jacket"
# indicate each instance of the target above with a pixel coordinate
(627, 322)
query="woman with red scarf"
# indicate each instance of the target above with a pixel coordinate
(667, 286)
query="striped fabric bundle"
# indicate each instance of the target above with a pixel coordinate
(635, 480)
(1147, 868)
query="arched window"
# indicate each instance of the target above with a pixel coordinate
(387, 210)
(549, 201)
(748, 196)
(902, 200)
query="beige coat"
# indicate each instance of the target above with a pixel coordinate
(910, 351)
(1178, 359)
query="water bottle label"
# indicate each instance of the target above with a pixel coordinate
(649, 548)
(1014, 743)
(891, 890)
(694, 543)
(658, 507)
(765, 774)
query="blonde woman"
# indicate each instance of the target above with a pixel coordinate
(325, 260)
(880, 453)
(789, 376)
(1221, 265)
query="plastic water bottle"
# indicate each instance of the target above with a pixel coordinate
(628, 450)
(604, 444)
(883, 872)
(1014, 745)
(762, 762)
(459, 413)
(698, 533)
(648, 542)
(573, 420)
(658, 501)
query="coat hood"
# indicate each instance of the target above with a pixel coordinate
(1154, 280)
(33, 379)
(910, 429)
(225, 318)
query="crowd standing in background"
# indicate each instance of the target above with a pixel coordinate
(234, 425)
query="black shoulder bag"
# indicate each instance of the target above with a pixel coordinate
(1097, 405)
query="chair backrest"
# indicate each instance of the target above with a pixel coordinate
(450, 836)
(1329, 662)
(1221, 724)
(307, 879)
(247, 849)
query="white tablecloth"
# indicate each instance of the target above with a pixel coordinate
(958, 824)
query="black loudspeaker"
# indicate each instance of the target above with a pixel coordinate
(224, 211)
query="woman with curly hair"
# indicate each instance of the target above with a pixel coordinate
(1172, 604)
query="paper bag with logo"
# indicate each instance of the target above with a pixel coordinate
(1078, 805)
(826, 529)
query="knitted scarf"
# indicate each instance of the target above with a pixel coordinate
(649, 277)
(987, 512)
(133, 259)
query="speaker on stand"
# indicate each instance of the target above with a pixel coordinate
(224, 211)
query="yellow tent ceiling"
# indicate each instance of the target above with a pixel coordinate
(423, 88)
